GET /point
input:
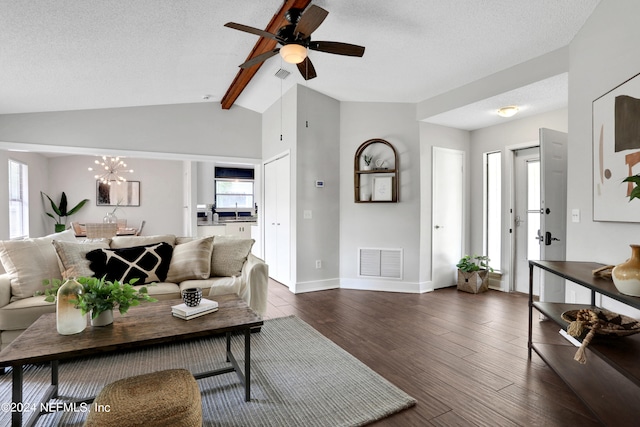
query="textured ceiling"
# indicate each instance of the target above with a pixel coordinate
(83, 54)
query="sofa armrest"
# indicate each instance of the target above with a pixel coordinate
(255, 275)
(5, 289)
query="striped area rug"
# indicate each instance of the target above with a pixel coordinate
(298, 378)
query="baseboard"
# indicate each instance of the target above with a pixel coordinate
(386, 285)
(316, 285)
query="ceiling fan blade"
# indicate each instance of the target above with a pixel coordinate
(260, 58)
(310, 20)
(252, 30)
(338, 48)
(307, 69)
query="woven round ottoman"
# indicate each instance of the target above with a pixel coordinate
(164, 398)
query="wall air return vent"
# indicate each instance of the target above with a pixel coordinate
(384, 263)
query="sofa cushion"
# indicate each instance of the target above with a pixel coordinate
(229, 255)
(149, 263)
(119, 242)
(191, 260)
(20, 314)
(30, 262)
(73, 256)
(214, 285)
(162, 290)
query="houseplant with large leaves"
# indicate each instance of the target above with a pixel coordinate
(61, 212)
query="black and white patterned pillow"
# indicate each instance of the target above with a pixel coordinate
(149, 263)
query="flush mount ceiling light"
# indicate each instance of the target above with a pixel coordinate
(110, 170)
(509, 111)
(293, 53)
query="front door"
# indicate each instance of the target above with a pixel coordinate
(553, 209)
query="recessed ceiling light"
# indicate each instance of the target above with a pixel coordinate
(509, 111)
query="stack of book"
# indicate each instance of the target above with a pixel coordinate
(187, 313)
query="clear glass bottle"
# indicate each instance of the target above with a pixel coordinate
(69, 319)
(110, 218)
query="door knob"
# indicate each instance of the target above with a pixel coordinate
(438, 226)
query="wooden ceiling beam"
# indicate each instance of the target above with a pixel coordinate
(263, 45)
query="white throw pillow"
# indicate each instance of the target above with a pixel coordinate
(29, 262)
(73, 256)
(229, 255)
(191, 260)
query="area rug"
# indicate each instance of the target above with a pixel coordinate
(298, 378)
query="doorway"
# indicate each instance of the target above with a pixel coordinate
(526, 222)
(447, 216)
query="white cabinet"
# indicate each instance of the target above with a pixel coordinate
(211, 230)
(240, 229)
(277, 223)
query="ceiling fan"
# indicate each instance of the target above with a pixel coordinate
(295, 39)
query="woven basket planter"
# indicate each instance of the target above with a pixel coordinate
(473, 282)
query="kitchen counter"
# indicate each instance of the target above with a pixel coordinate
(253, 221)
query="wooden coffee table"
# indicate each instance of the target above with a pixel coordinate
(143, 326)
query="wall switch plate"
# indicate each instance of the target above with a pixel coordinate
(575, 215)
(307, 215)
(318, 263)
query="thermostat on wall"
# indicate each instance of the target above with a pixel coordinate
(319, 183)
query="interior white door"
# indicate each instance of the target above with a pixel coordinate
(447, 216)
(277, 219)
(526, 215)
(553, 209)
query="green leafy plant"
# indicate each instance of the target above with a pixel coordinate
(60, 210)
(368, 159)
(101, 295)
(474, 263)
(635, 193)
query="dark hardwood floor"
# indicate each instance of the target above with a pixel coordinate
(463, 357)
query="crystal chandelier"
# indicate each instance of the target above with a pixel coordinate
(110, 170)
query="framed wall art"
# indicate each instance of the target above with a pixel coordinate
(616, 152)
(382, 189)
(124, 194)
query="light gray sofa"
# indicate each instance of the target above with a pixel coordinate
(219, 265)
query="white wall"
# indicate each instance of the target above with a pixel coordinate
(314, 153)
(161, 192)
(384, 225)
(318, 158)
(602, 55)
(203, 129)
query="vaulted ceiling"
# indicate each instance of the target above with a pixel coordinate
(85, 54)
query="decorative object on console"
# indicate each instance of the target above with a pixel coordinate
(626, 276)
(111, 169)
(69, 320)
(598, 322)
(61, 212)
(473, 273)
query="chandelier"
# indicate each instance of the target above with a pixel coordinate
(110, 170)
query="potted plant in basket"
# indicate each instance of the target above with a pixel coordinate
(473, 273)
(61, 212)
(100, 297)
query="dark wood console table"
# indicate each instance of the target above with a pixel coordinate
(609, 383)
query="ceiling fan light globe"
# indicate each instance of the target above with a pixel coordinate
(293, 53)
